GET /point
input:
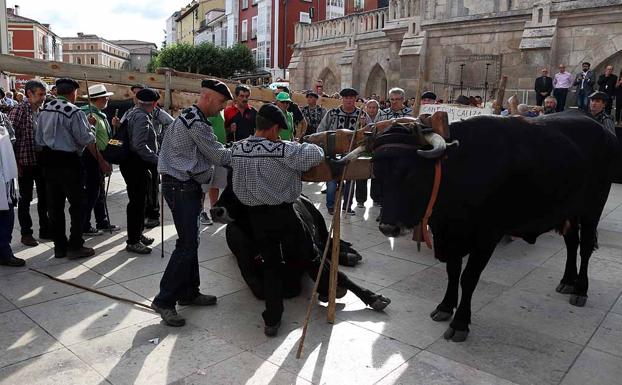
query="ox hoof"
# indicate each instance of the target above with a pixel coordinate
(380, 303)
(456, 335)
(564, 288)
(440, 316)
(351, 259)
(578, 300)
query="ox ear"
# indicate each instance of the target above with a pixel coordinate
(440, 124)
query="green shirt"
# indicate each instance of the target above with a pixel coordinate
(289, 133)
(101, 129)
(218, 125)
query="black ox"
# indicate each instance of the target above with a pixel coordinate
(239, 237)
(507, 176)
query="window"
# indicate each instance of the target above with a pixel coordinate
(540, 15)
(92, 60)
(257, 1)
(254, 27)
(91, 47)
(359, 4)
(78, 61)
(78, 47)
(305, 17)
(10, 40)
(244, 4)
(244, 30)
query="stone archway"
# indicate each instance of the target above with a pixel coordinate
(331, 85)
(376, 83)
(615, 60)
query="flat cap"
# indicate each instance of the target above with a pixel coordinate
(428, 95)
(67, 81)
(273, 114)
(147, 95)
(599, 95)
(218, 86)
(137, 86)
(313, 94)
(348, 92)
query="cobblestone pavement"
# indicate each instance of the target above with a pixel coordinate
(523, 332)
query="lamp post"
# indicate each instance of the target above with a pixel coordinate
(486, 84)
(461, 71)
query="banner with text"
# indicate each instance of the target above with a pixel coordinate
(455, 112)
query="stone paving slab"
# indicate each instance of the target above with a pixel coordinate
(523, 332)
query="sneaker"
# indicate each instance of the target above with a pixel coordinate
(81, 252)
(360, 205)
(204, 219)
(146, 240)
(92, 232)
(107, 228)
(138, 248)
(271, 331)
(12, 261)
(29, 240)
(150, 223)
(199, 300)
(170, 316)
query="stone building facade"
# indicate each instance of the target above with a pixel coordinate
(439, 42)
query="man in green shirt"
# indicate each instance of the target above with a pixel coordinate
(219, 176)
(92, 177)
(283, 101)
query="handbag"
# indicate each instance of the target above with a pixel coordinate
(118, 149)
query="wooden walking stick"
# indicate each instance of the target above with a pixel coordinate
(161, 219)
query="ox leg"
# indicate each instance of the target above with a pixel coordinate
(445, 309)
(588, 244)
(566, 286)
(376, 301)
(459, 327)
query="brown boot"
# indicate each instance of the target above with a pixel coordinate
(29, 240)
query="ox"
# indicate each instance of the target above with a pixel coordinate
(507, 176)
(239, 236)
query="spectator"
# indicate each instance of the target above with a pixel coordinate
(240, 117)
(283, 102)
(525, 111)
(543, 87)
(607, 84)
(19, 97)
(584, 82)
(561, 84)
(24, 118)
(300, 124)
(618, 95)
(550, 105)
(598, 100)
(313, 113)
(9, 101)
(397, 97)
(428, 97)
(372, 114)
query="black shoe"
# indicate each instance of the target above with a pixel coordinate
(146, 240)
(350, 212)
(12, 261)
(29, 240)
(170, 316)
(81, 252)
(138, 248)
(92, 232)
(331, 211)
(107, 228)
(323, 191)
(199, 300)
(60, 253)
(272, 331)
(150, 223)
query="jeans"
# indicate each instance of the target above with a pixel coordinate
(331, 192)
(560, 94)
(7, 221)
(181, 277)
(135, 174)
(32, 175)
(582, 101)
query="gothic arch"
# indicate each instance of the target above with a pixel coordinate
(331, 83)
(376, 82)
(615, 60)
(600, 55)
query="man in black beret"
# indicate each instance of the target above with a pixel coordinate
(143, 156)
(598, 101)
(428, 97)
(267, 178)
(313, 113)
(189, 152)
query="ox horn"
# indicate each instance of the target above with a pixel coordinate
(438, 146)
(354, 154)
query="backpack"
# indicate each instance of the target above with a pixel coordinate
(118, 149)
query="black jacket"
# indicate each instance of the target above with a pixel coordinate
(607, 84)
(544, 84)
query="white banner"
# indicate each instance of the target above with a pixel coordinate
(455, 112)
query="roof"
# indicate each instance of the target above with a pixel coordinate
(12, 18)
(132, 42)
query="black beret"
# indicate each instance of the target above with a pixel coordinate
(599, 95)
(218, 86)
(137, 86)
(311, 93)
(348, 92)
(67, 81)
(147, 95)
(273, 114)
(428, 95)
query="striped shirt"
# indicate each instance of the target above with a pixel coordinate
(190, 148)
(269, 173)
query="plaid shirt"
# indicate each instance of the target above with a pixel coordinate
(24, 122)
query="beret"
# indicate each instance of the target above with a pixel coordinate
(313, 94)
(147, 95)
(67, 81)
(137, 86)
(273, 114)
(218, 86)
(428, 95)
(348, 92)
(599, 95)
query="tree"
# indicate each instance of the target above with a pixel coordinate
(205, 58)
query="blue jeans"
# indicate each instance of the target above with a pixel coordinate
(583, 101)
(181, 277)
(331, 192)
(7, 221)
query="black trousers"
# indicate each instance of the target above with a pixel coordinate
(152, 204)
(134, 172)
(360, 191)
(32, 175)
(560, 94)
(62, 173)
(618, 107)
(540, 98)
(277, 228)
(92, 178)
